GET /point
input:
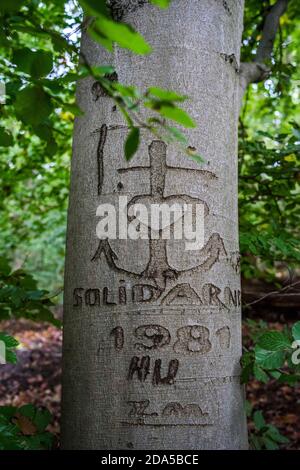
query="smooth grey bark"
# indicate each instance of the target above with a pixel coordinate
(152, 332)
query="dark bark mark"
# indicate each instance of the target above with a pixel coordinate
(92, 297)
(118, 335)
(158, 268)
(226, 7)
(176, 409)
(182, 294)
(170, 377)
(157, 337)
(193, 339)
(230, 59)
(140, 367)
(224, 336)
(105, 248)
(119, 8)
(98, 90)
(138, 409)
(100, 168)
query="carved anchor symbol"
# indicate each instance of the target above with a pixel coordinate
(158, 269)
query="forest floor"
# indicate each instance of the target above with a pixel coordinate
(36, 378)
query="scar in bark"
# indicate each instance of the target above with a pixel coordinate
(100, 149)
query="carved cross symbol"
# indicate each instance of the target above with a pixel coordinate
(158, 268)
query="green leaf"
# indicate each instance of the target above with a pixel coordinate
(4, 41)
(124, 35)
(33, 105)
(97, 35)
(10, 343)
(269, 443)
(51, 147)
(24, 428)
(56, 86)
(259, 420)
(275, 374)
(296, 330)
(59, 42)
(35, 63)
(275, 435)
(246, 373)
(193, 155)
(6, 139)
(9, 6)
(171, 112)
(44, 132)
(103, 70)
(255, 442)
(269, 359)
(7, 411)
(42, 64)
(40, 417)
(5, 268)
(260, 374)
(177, 134)
(11, 357)
(8, 340)
(161, 3)
(290, 379)
(166, 95)
(274, 341)
(126, 91)
(94, 7)
(73, 108)
(132, 143)
(248, 408)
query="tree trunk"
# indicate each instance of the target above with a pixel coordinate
(152, 332)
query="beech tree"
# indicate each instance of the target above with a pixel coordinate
(152, 332)
(152, 338)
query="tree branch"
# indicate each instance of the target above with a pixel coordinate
(257, 71)
(270, 28)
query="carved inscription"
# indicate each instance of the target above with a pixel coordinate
(143, 413)
(157, 337)
(224, 337)
(193, 340)
(138, 409)
(100, 148)
(140, 368)
(144, 369)
(158, 269)
(160, 283)
(178, 410)
(170, 377)
(118, 335)
(208, 295)
(190, 339)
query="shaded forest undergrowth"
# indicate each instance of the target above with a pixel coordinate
(36, 378)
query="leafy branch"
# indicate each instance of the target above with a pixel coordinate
(36, 76)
